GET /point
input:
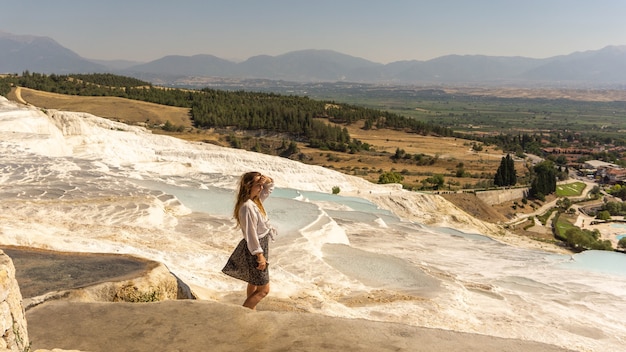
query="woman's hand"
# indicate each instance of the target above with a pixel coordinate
(260, 259)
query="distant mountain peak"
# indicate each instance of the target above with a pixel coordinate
(614, 48)
(20, 38)
(19, 53)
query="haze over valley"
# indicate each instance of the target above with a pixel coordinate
(604, 68)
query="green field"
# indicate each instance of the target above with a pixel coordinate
(570, 189)
(476, 113)
(562, 226)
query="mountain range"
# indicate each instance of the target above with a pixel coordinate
(604, 68)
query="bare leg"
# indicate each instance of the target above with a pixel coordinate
(255, 295)
(250, 289)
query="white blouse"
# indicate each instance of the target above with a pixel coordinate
(254, 224)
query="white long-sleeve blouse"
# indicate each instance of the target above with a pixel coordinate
(254, 224)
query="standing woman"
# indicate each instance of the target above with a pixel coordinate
(248, 262)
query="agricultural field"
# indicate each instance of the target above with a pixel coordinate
(477, 110)
(482, 111)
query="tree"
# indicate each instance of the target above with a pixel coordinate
(602, 245)
(460, 170)
(439, 180)
(564, 203)
(595, 190)
(614, 208)
(289, 150)
(619, 191)
(368, 124)
(390, 177)
(168, 126)
(544, 179)
(561, 160)
(436, 180)
(577, 238)
(499, 178)
(603, 215)
(400, 153)
(505, 175)
(510, 166)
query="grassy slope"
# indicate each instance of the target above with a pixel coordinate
(125, 110)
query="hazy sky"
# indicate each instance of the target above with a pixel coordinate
(380, 31)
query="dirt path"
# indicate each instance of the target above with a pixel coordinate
(18, 96)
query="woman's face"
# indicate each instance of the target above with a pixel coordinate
(256, 187)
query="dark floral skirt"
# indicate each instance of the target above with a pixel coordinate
(242, 264)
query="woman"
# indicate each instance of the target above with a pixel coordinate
(248, 262)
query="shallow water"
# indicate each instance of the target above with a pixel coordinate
(336, 255)
(598, 261)
(380, 271)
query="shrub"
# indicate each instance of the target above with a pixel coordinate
(390, 177)
(622, 243)
(603, 215)
(336, 190)
(540, 196)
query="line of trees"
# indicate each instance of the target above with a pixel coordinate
(582, 239)
(296, 116)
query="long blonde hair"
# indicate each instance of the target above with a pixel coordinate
(243, 194)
